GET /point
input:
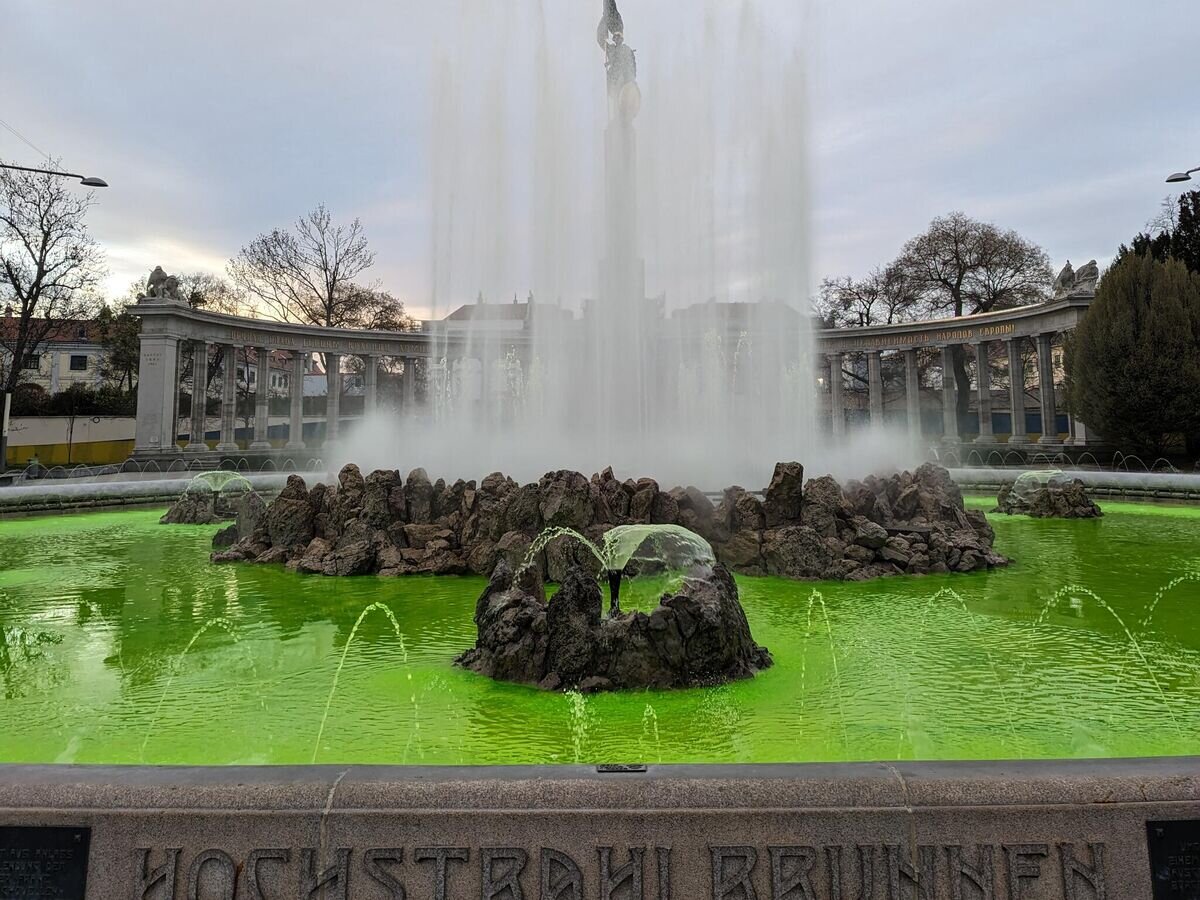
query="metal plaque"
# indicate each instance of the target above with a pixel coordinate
(43, 863)
(1175, 858)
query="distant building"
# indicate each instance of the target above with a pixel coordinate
(72, 354)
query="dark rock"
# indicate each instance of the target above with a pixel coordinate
(1058, 499)
(697, 637)
(251, 514)
(295, 489)
(795, 551)
(665, 510)
(783, 500)
(513, 547)
(421, 536)
(313, 559)
(641, 504)
(869, 534)
(290, 522)
(193, 508)
(565, 500)
(226, 537)
(418, 494)
(742, 552)
(377, 510)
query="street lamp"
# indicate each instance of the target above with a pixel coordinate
(1182, 176)
(85, 180)
(6, 398)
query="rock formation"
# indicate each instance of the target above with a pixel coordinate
(698, 636)
(1057, 499)
(909, 523)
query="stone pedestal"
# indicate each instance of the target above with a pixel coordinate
(157, 371)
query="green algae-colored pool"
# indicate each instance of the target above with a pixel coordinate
(1065, 654)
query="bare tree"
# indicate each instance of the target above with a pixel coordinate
(49, 267)
(208, 291)
(962, 267)
(883, 297)
(309, 275)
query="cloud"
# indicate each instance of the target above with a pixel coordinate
(215, 121)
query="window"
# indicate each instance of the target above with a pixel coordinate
(32, 361)
(79, 363)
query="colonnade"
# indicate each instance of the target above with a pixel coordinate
(1044, 356)
(227, 354)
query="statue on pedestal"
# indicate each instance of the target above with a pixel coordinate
(1077, 284)
(620, 61)
(161, 286)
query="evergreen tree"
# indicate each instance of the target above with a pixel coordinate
(1174, 234)
(1133, 363)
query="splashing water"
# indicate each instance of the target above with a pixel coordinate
(1075, 591)
(219, 622)
(814, 599)
(650, 730)
(380, 607)
(673, 546)
(581, 716)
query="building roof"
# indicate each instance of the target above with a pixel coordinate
(65, 331)
(490, 312)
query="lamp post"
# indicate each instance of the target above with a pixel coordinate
(6, 396)
(85, 180)
(1182, 176)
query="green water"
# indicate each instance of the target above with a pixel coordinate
(96, 612)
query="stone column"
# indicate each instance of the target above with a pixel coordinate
(912, 393)
(1080, 437)
(409, 400)
(262, 401)
(875, 387)
(486, 365)
(1016, 391)
(296, 417)
(199, 396)
(157, 388)
(1046, 389)
(983, 379)
(229, 401)
(837, 409)
(333, 397)
(370, 384)
(949, 397)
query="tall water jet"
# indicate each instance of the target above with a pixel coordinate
(623, 232)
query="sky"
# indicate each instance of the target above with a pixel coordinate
(216, 121)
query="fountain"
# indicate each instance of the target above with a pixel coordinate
(656, 548)
(211, 497)
(696, 637)
(664, 250)
(1047, 494)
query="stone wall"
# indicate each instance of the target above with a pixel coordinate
(908, 523)
(1088, 830)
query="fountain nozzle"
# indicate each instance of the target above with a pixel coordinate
(614, 592)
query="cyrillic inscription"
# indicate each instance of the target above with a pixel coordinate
(1174, 858)
(43, 863)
